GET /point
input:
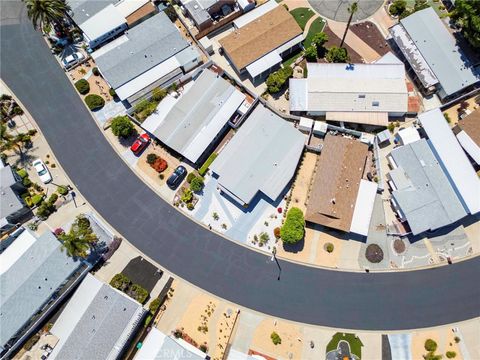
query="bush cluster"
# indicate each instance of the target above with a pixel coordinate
(337, 55)
(122, 126)
(276, 80)
(154, 305)
(124, 284)
(94, 101)
(293, 229)
(82, 86)
(196, 184)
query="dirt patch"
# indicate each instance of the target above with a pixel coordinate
(289, 348)
(334, 40)
(369, 33)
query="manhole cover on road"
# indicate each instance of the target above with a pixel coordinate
(338, 9)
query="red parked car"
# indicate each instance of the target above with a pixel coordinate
(140, 144)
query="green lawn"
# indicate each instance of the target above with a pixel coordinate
(292, 58)
(301, 16)
(317, 26)
(355, 343)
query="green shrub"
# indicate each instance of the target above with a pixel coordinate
(293, 229)
(26, 182)
(120, 282)
(28, 201)
(138, 293)
(151, 158)
(112, 92)
(122, 126)
(203, 169)
(337, 55)
(95, 71)
(148, 320)
(187, 196)
(190, 206)
(196, 185)
(158, 94)
(190, 177)
(144, 109)
(82, 86)
(36, 199)
(457, 339)
(320, 39)
(154, 305)
(278, 79)
(276, 339)
(329, 247)
(398, 7)
(430, 345)
(451, 354)
(94, 101)
(22, 173)
(52, 199)
(43, 211)
(311, 53)
(62, 190)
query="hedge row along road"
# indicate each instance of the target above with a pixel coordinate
(375, 301)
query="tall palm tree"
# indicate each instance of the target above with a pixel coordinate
(352, 9)
(46, 12)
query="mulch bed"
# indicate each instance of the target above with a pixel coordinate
(399, 246)
(335, 40)
(374, 253)
(143, 273)
(369, 33)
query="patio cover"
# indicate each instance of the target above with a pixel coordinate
(264, 63)
(368, 118)
(362, 213)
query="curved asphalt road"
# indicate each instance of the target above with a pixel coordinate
(381, 301)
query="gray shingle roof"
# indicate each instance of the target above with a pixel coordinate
(30, 280)
(96, 322)
(262, 156)
(440, 50)
(430, 202)
(149, 44)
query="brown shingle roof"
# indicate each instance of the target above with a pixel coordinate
(471, 125)
(261, 36)
(335, 187)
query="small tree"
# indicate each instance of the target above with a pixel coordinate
(430, 345)
(277, 80)
(293, 229)
(398, 7)
(276, 339)
(311, 53)
(320, 39)
(122, 126)
(337, 55)
(196, 185)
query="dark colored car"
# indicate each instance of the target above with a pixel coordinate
(177, 177)
(140, 144)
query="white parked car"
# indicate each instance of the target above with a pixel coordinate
(73, 59)
(42, 171)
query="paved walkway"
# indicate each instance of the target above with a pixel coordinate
(338, 9)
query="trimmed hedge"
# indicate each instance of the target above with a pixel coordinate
(203, 169)
(94, 101)
(82, 86)
(62, 190)
(22, 173)
(293, 230)
(154, 305)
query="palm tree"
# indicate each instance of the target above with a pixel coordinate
(74, 245)
(46, 12)
(352, 9)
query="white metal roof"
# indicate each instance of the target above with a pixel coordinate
(351, 87)
(262, 156)
(362, 213)
(453, 158)
(101, 23)
(408, 135)
(15, 251)
(264, 63)
(190, 123)
(359, 117)
(469, 145)
(158, 346)
(255, 13)
(142, 81)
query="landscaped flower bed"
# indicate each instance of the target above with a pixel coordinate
(135, 291)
